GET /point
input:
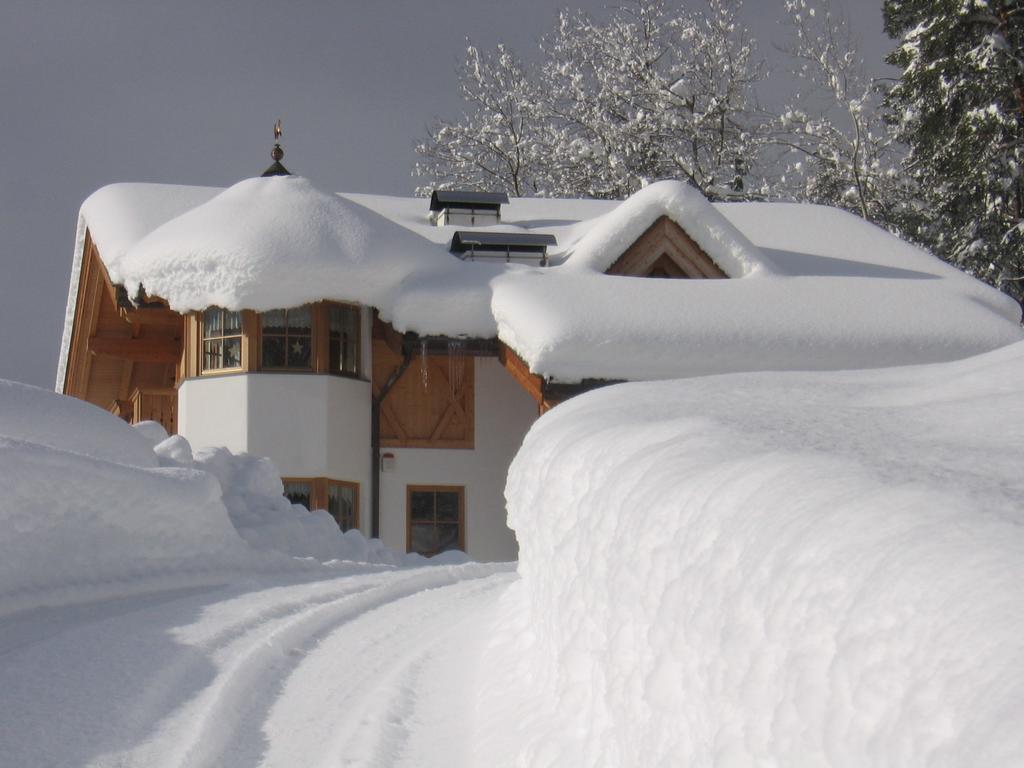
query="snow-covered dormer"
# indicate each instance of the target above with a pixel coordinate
(466, 209)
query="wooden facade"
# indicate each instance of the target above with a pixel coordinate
(130, 360)
(430, 405)
(124, 359)
(665, 250)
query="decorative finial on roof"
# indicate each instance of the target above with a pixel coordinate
(277, 153)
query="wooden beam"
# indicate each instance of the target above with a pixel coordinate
(158, 350)
(386, 333)
(159, 317)
(520, 371)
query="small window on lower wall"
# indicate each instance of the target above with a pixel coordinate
(339, 497)
(436, 518)
(343, 503)
(299, 492)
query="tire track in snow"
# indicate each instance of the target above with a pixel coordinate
(421, 649)
(260, 645)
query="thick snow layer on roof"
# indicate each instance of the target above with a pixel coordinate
(770, 569)
(609, 236)
(272, 242)
(810, 288)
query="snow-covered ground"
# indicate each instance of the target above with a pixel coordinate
(778, 569)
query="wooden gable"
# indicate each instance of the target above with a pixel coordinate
(123, 359)
(665, 250)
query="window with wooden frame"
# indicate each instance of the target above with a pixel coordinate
(343, 339)
(343, 503)
(436, 518)
(340, 498)
(323, 337)
(221, 339)
(287, 338)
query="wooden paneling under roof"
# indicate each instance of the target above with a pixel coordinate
(122, 356)
(665, 250)
(431, 405)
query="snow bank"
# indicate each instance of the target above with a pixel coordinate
(76, 527)
(772, 569)
(267, 521)
(36, 416)
(92, 508)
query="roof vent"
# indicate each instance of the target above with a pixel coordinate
(510, 246)
(277, 153)
(465, 208)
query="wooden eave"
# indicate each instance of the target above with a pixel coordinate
(546, 393)
(119, 349)
(665, 249)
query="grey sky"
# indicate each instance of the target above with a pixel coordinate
(186, 92)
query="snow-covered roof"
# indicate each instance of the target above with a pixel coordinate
(812, 287)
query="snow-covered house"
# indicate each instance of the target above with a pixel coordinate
(389, 354)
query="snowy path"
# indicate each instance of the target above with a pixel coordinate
(365, 670)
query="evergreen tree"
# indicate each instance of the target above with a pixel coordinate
(959, 105)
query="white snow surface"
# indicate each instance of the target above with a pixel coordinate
(91, 507)
(813, 569)
(778, 569)
(810, 287)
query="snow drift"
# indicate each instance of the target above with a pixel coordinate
(91, 507)
(772, 569)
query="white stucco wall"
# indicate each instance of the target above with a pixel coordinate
(319, 426)
(503, 414)
(309, 425)
(214, 411)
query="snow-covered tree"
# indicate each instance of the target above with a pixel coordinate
(496, 145)
(654, 92)
(841, 151)
(959, 104)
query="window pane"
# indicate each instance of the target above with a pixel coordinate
(344, 340)
(297, 493)
(448, 506)
(211, 355)
(232, 323)
(424, 540)
(300, 319)
(298, 351)
(341, 500)
(273, 352)
(273, 321)
(421, 506)
(232, 352)
(211, 323)
(446, 537)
